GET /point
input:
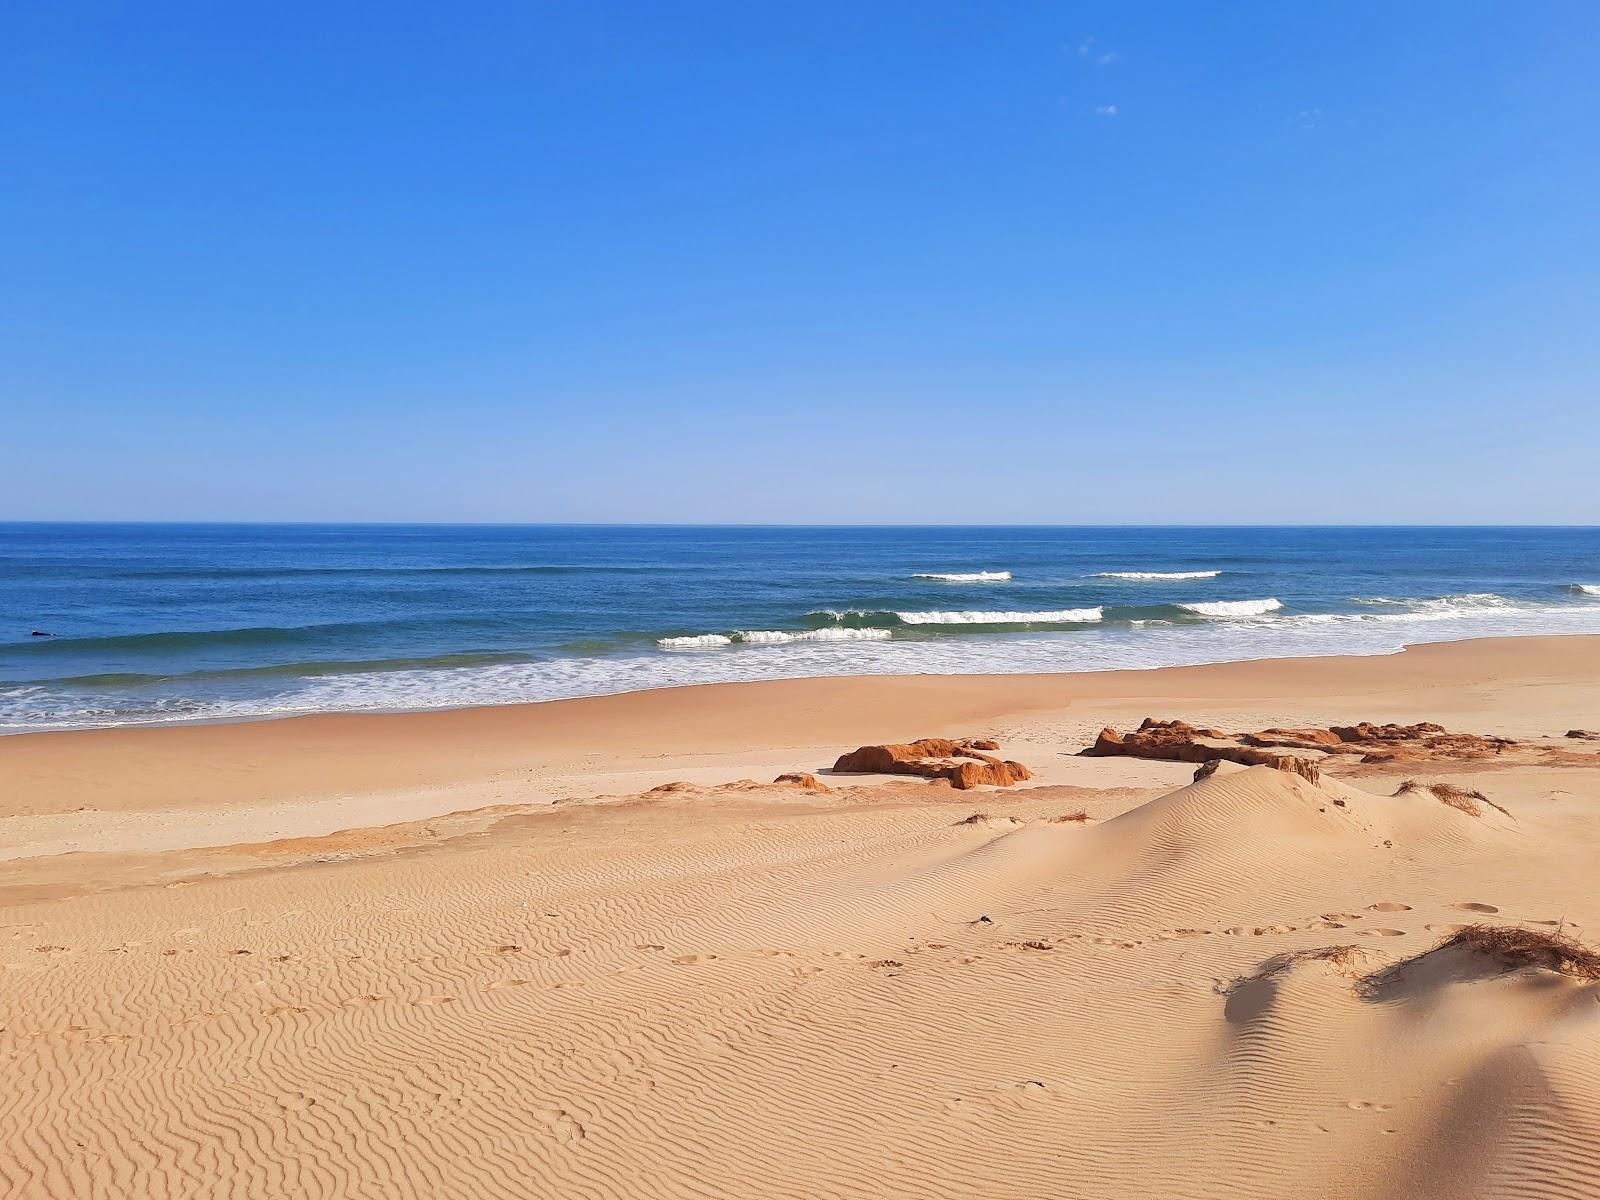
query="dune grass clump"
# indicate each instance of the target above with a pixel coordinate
(1513, 947)
(1517, 946)
(1079, 816)
(1458, 798)
(977, 818)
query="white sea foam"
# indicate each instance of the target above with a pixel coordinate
(1588, 589)
(696, 641)
(771, 637)
(965, 576)
(1058, 616)
(1156, 576)
(1467, 602)
(1234, 608)
(1112, 646)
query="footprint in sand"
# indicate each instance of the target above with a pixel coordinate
(435, 1001)
(1445, 927)
(287, 1010)
(686, 960)
(507, 948)
(1341, 916)
(1475, 906)
(1388, 906)
(361, 1001)
(566, 1129)
(295, 1101)
(1381, 932)
(506, 983)
(648, 946)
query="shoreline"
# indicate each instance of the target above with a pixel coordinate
(176, 723)
(548, 747)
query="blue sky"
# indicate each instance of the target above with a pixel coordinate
(921, 262)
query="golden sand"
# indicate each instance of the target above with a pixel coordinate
(472, 953)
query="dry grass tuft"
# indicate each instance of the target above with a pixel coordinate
(1455, 797)
(977, 818)
(1346, 958)
(1513, 946)
(1079, 816)
(1517, 947)
(1343, 957)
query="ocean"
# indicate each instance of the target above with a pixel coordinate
(163, 623)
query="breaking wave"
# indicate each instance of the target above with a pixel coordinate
(1467, 602)
(1587, 589)
(965, 576)
(1233, 608)
(770, 637)
(1059, 616)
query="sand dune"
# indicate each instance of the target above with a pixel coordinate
(1224, 988)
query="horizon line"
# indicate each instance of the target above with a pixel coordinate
(264, 524)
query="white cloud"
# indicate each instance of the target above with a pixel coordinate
(1110, 56)
(1106, 110)
(1084, 47)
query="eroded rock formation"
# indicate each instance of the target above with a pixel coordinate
(965, 763)
(1179, 741)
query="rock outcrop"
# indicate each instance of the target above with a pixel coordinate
(965, 763)
(1179, 741)
(804, 780)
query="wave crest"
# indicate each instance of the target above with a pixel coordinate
(1060, 616)
(965, 576)
(694, 641)
(1234, 608)
(771, 637)
(1466, 602)
(768, 637)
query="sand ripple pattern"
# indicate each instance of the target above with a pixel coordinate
(858, 995)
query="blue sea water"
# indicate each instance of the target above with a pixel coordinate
(155, 623)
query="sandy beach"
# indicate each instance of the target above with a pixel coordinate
(495, 952)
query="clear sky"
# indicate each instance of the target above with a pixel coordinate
(836, 262)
